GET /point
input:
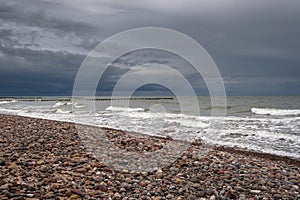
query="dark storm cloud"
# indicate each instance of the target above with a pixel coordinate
(40, 54)
(30, 72)
(133, 60)
(42, 43)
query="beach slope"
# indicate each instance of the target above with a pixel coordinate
(46, 159)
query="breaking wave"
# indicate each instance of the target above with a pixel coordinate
(124, 109)
(59, 103)
(274, 111)
(63, 111)
(5, 102)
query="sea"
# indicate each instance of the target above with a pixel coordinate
(269, 124)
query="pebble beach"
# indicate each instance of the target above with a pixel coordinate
(44, 159)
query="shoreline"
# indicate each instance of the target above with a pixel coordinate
(238, 150)
(50, 152)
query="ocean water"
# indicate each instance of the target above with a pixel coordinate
(268, 124)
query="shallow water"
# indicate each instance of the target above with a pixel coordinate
(268, 124)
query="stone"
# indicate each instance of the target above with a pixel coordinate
(30, 195)
(296, 187)
(74, 196)
(178, 180)
(103, 187)
(230, 194)
(196, 185)
(213, 197)
(4, 187)
(170, 196)
(76, 191)
(143, 183)
(255, 191)
(117, 195)
(7, 193)
(242, 197)
(126, 186)
(2, 182)
(2, 162)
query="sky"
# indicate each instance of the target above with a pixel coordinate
(255, 44)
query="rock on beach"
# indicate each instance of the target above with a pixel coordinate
(43, 159)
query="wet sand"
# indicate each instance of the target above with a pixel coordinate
(43, 159)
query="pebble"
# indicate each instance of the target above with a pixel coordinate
(178, 180)
(196, 185)
(4, 187)
(242, 197)
(143, 183)
(170, 196)
(2, 162)
(78, 192)
(103, 188)
(212, 197)
(75, 196)
(117, 195)
(255, 191)
(30, 195)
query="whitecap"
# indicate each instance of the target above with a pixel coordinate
(59, 103)
(125, 109)
(77, 105)
(63, 111)
(6, 102)
(274, 111)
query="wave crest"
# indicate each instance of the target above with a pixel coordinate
(124, 109)
(274, 111)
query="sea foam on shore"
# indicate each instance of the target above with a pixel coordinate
(263, 124)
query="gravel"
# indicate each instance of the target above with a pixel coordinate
(43, 159)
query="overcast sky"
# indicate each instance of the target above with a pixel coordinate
(255, 44)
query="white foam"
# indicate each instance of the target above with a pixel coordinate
(189, 123)
(274, 111)
(141, 115)
(63, 111)
(254, 147)
(9, 111)
(272, 134)
(6, 102)
(77, 105)
(59, 103)
(124, 109)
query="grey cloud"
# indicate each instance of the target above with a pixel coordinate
(27, 24)
(252, 42)
(30, 72)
